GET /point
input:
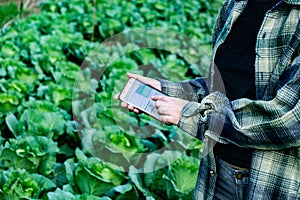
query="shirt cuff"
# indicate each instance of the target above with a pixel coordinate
(194, 119)
(182, 90)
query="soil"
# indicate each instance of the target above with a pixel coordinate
(29, 5)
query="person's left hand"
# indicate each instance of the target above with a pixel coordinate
(169, 108)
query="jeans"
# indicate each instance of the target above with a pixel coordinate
(231, 183)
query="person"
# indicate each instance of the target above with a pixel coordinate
(251, 132)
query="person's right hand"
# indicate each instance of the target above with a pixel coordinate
(149, 81)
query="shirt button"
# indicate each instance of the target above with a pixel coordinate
(257, 54)
(212, 173)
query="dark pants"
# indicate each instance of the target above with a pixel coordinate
(231, 183)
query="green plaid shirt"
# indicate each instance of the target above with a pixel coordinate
(270, 124)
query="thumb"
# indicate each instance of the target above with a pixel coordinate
(116, 96)
(138, 77)
(131, 75)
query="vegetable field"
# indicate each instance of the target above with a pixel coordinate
(62, 134)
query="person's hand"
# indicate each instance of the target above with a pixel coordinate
(169, 108)
(149, 81)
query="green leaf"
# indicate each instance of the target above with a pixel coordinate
(91, 197)
(42, 118)
(12, 123)
(15, 86)
(85, 83)
(8, 103)
(59, 175)
(9, 50)
(19, 184)
(35, 154)
(161, 5)
(136, 177)
(123, 142)
(123, 192)
(2, 72)
(166, 175)
(59, 194)
(145, 55)
(109, 27)
(95, 177)
(9, 158)
(44, 183)
(91, 184)
(14, 187)
(184, 172)
(61, 96)
(70, 168)
(26, 75)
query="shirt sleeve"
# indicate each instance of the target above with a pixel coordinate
(192, 90)
(268, 125)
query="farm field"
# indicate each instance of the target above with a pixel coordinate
(62, 136)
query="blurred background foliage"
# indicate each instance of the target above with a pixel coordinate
(62, 135)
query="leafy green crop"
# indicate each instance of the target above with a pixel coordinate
(174, 182)
(41, 118)
(62, 136)
(18, 184)
(35, 154)
(95, 177)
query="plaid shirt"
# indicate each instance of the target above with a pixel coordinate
(270, 124)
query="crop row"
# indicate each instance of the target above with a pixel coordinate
(62, 134)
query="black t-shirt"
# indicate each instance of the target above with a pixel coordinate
(235, 60)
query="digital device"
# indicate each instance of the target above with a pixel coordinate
(138, 94)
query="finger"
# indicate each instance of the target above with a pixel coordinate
(158, 103)
(167, 119)
(144, 79)
(124, 105)
(117, 96)
(136, 76)
(163, 110)
(137, 111)
(141, 78)
(149, 81)
(160, 98)
(130, 107)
